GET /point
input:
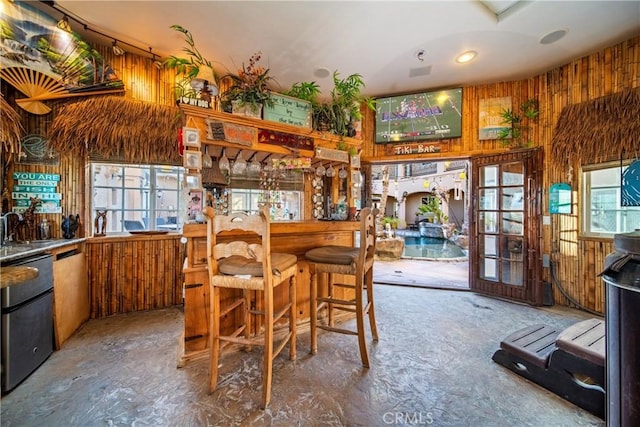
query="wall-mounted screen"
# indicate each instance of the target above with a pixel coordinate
(419, 116)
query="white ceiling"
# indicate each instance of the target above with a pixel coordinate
(377, 39)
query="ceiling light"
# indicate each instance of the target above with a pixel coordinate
(467, 56)
(64, 25)
(322, 72)
(553, 37)
(117, 50)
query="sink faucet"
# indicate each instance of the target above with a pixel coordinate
(7, 227)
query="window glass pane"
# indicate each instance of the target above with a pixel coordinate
(137, 197)
(512, 272)
(602, 212)
(285, 205)
(489, 176)
(513, 174)
(512, 247)
(512, 199)
(489, 245)
(489, 269)
(488, 199)
(488, 222)
(512, 223)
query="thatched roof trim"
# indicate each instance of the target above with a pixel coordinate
(11, 129)
(115, 127)
(597, 131)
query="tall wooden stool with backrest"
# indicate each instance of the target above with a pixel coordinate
(239, 257)
(353, 261)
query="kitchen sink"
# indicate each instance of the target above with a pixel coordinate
(17, 248)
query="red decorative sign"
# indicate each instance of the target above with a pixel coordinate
(285, 139)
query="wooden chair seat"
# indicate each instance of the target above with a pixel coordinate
(237, 264)
(333, 255)
(243, 264)
(350, 261)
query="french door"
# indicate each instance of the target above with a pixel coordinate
(505, 205)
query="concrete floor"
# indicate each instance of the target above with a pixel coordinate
(432, 366)
(443, 274)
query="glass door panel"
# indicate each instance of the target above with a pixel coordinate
(512, 223)
(512, 198)
(489, 176)
(512, 173)
(504, 259)
(488, 199)
(498, 261)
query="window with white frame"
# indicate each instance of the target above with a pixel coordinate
(285, 205)
(602, 212)
(137, 197)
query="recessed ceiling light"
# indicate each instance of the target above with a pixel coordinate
(553, 37)
(322, 72)
(467, 56)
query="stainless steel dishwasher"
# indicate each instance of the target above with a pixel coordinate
(27, 322)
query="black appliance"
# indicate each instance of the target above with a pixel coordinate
(27, 322)
(622, 277)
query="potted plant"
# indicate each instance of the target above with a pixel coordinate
(339, 114)
(517, 135)
(189, 69)
(346, 100)
(393, 222)
(249, 89)
(307, 91)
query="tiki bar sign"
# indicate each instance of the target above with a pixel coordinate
(425, 148)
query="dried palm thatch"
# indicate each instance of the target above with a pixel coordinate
(118, 128)
(597, 131)
(10, 127)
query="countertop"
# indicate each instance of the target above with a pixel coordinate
(14, 251)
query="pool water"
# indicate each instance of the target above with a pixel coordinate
(431, 247)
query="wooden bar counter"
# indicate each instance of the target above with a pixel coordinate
(294, 237)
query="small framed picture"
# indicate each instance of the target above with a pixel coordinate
(192, 159)
(194, 208)
(193, 180)
(355, 161)
(191, 137)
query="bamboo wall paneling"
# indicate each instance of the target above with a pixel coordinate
(608, 72)
(128, 274)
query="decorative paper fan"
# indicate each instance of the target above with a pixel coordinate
(35, 85)
(40, 87)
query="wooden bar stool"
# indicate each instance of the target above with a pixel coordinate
(243, 260)
(16, 275)
(354, 261)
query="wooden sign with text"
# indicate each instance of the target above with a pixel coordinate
(332, 155)
(416, 148)
(238, 134)
(289, 111)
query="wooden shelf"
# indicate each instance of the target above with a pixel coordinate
(320, 139)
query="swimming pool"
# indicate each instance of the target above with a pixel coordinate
(431, 247)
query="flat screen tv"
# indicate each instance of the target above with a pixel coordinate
(422, 116)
